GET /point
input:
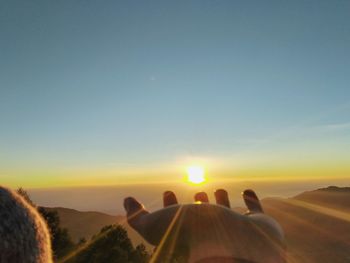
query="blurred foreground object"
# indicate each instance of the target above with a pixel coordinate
(24, 236)
(208, 233)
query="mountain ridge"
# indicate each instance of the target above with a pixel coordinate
(312, 235)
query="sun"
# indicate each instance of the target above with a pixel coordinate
(195, 174)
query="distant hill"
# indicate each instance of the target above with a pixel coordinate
(86, 224)
(316, 224)
(331, 197)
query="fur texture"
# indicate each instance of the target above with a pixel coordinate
(24, 236)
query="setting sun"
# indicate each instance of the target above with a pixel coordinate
(195, 174)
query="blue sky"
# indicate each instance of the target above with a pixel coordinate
(133, 83)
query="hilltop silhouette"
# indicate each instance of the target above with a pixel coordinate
(313, 233)
(87, 224)
(316, 224)
(331, 197)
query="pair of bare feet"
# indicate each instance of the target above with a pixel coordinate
(204, 232)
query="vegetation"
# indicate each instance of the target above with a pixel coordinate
(26, 196)
(111, 245)
(61, 241)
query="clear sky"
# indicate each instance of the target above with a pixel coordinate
(103, 92)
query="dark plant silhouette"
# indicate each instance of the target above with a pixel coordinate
(25, 195)
(82, 241)
(111, 245)
(61, 241)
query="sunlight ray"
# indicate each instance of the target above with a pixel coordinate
(166, 235)
(320, 209)
(311, 226)
(81, 248)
